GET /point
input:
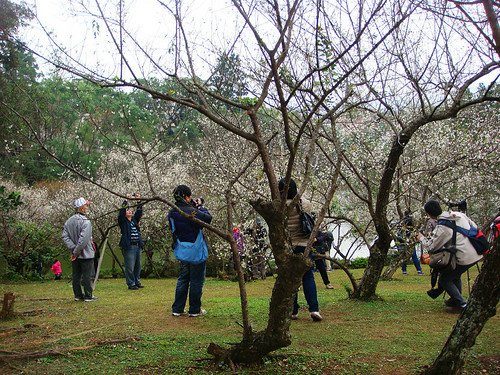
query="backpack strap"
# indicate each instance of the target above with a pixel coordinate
(172, 225)
(174, 236)
(451, 224)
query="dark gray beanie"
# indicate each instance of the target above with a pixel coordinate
(433, 208)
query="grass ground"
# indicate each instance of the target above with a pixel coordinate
(391, 336)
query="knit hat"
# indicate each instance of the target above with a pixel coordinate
(80, 202)
(433, 208)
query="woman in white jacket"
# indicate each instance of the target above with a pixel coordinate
(466, 255)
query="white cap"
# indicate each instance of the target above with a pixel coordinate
(80, 202)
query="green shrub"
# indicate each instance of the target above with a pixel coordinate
(358, 263)
(31, 249)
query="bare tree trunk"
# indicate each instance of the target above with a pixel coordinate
(480, 307)
(277, 333)
(396, 263)
(368, 285)
(8, 306)
(290, 269)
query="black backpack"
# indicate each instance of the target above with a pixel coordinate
(475, 236)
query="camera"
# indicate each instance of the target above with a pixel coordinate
(198, 202)
(459, 205)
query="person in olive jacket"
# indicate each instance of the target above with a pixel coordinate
(131, 242)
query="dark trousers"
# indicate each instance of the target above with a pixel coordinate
(416, 262)
(191, 279)
(451, 282)
(321, 267)
(309, 285)
(82, 273)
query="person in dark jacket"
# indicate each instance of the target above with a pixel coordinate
(192, 276)
(131, 242)
(323, 245)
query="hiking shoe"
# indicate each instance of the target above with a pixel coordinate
(451, 302)
(133, 287)
(294, 317)
(316, 316)
(178, 314)
(201, 313)
(329, 286)
(457, 309)
(90, 299)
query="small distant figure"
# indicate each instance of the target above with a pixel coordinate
(57, 270)
(131, 242)
(240, 241)
(404, 239)
(258, 251)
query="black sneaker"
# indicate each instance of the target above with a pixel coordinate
(456, 309)
(451, 302)
(133, 287)
(140, 286)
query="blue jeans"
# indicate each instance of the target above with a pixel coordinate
(82, 273)
(191, 278)
(451, 282)
(309, 286)
(416, 262)
(132, 258)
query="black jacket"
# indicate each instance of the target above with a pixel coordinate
(187, 230)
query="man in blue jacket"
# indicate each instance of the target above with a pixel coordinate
(131, 242)
(192, 276)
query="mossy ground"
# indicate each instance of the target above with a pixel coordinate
(390, 336)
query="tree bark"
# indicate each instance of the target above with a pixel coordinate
(368, 284)
(290, 269)
(480, 307)
(396, 262)
(8, 306)
(277, 333)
